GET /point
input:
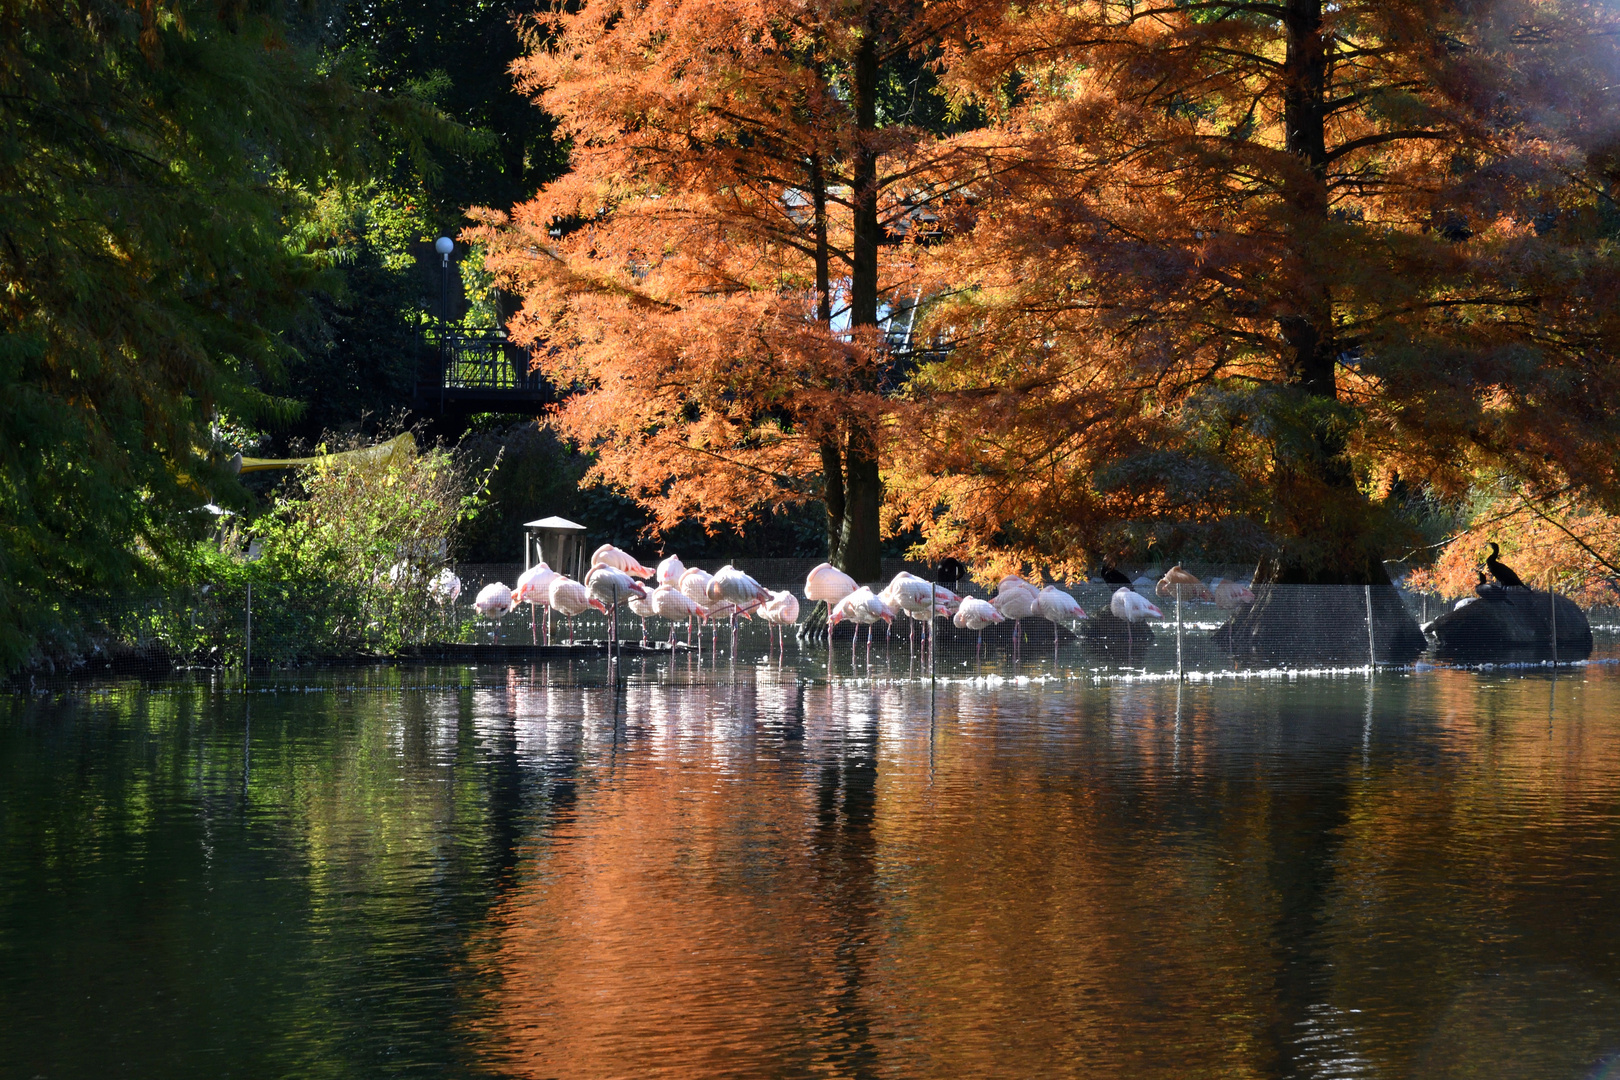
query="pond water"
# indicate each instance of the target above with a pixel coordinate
(752, 870)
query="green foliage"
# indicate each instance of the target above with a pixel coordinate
(539, 474)
(350, 552)
(355, 356)
(344, 564)
(154, 159)
(456, 56)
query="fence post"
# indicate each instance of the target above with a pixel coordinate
(1372, 651)
(933, 652)
(247, 666)
(1179, 674)
(1552, 620)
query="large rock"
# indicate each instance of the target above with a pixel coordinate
(1513, 625)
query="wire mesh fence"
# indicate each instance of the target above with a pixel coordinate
(1220, 628)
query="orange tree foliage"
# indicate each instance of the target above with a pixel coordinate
(1561, 542)
(710, 274)
(1247, 268)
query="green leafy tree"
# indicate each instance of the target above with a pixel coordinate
(153, 157)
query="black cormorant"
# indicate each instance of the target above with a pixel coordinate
(1501, 571)
(1489, 590)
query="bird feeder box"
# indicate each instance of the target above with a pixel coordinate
(557, 542)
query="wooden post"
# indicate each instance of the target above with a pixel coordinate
(1372, 651)
(1552, 619)
(933, 654)
(1179, 673)
(247, 665)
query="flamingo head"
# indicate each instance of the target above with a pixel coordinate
(597, 604)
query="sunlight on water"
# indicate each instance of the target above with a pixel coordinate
(749, 869)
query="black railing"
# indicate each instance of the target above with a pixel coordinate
(478, 368)
(485, 360)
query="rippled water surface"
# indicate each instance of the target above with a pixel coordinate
(539, 872)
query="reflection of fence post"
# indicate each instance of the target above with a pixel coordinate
(1179, 674)
(247, 665)
(1372, 651)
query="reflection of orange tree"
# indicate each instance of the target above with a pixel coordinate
(1050, 919)
(1572, 543)
(1446, 859)
(701, 918)
(673, 921)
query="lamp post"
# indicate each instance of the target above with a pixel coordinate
(444, 246)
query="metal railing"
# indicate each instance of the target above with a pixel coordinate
(485, 360)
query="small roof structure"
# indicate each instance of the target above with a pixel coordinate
(561, 543)
(553, 523)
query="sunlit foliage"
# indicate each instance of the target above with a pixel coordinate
(1249, 269)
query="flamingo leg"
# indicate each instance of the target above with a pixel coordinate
(532, 631)
(852, 642)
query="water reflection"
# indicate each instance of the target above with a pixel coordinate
(745, 869)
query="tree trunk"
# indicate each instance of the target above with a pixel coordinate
(832, 497)
(864, 187)
(1326, 514)
(1308, 607)
(818, 202)
(859, 551)
(1308, 615)
(863, 487)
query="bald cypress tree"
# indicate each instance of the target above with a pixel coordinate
(1245, 270)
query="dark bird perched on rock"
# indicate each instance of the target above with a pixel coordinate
(1489, 590)
(1501, 571)
(1111, 576)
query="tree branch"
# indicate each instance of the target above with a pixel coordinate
(1386, 137)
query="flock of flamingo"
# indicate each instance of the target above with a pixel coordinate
(690, 595)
